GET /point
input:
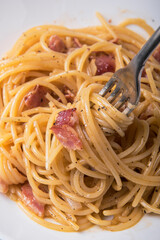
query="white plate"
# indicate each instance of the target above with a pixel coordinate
(16, 17)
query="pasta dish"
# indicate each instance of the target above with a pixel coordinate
(68, 157)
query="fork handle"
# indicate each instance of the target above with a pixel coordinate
(142, 56)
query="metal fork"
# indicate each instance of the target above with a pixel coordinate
(126, 81)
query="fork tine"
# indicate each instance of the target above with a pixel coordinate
(107, 87)
(127, 111)
(114, 94)
(121, 102)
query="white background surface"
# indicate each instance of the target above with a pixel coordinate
(17, 16)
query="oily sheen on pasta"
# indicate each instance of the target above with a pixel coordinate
(67, 156)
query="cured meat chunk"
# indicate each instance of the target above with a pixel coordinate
(68, 117)
(30, 201)
(67, 136)
(56, 44)
(36, 97)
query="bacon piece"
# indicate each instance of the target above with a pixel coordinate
(67, 136)
(76, 43)
(3, 186)
(56, 44)
(104, 63)
(30, 201)
(68, 117)
(68, 94)
(156, 54)
(64, 131)
(36, 97)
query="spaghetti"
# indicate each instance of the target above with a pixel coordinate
(66, 154)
